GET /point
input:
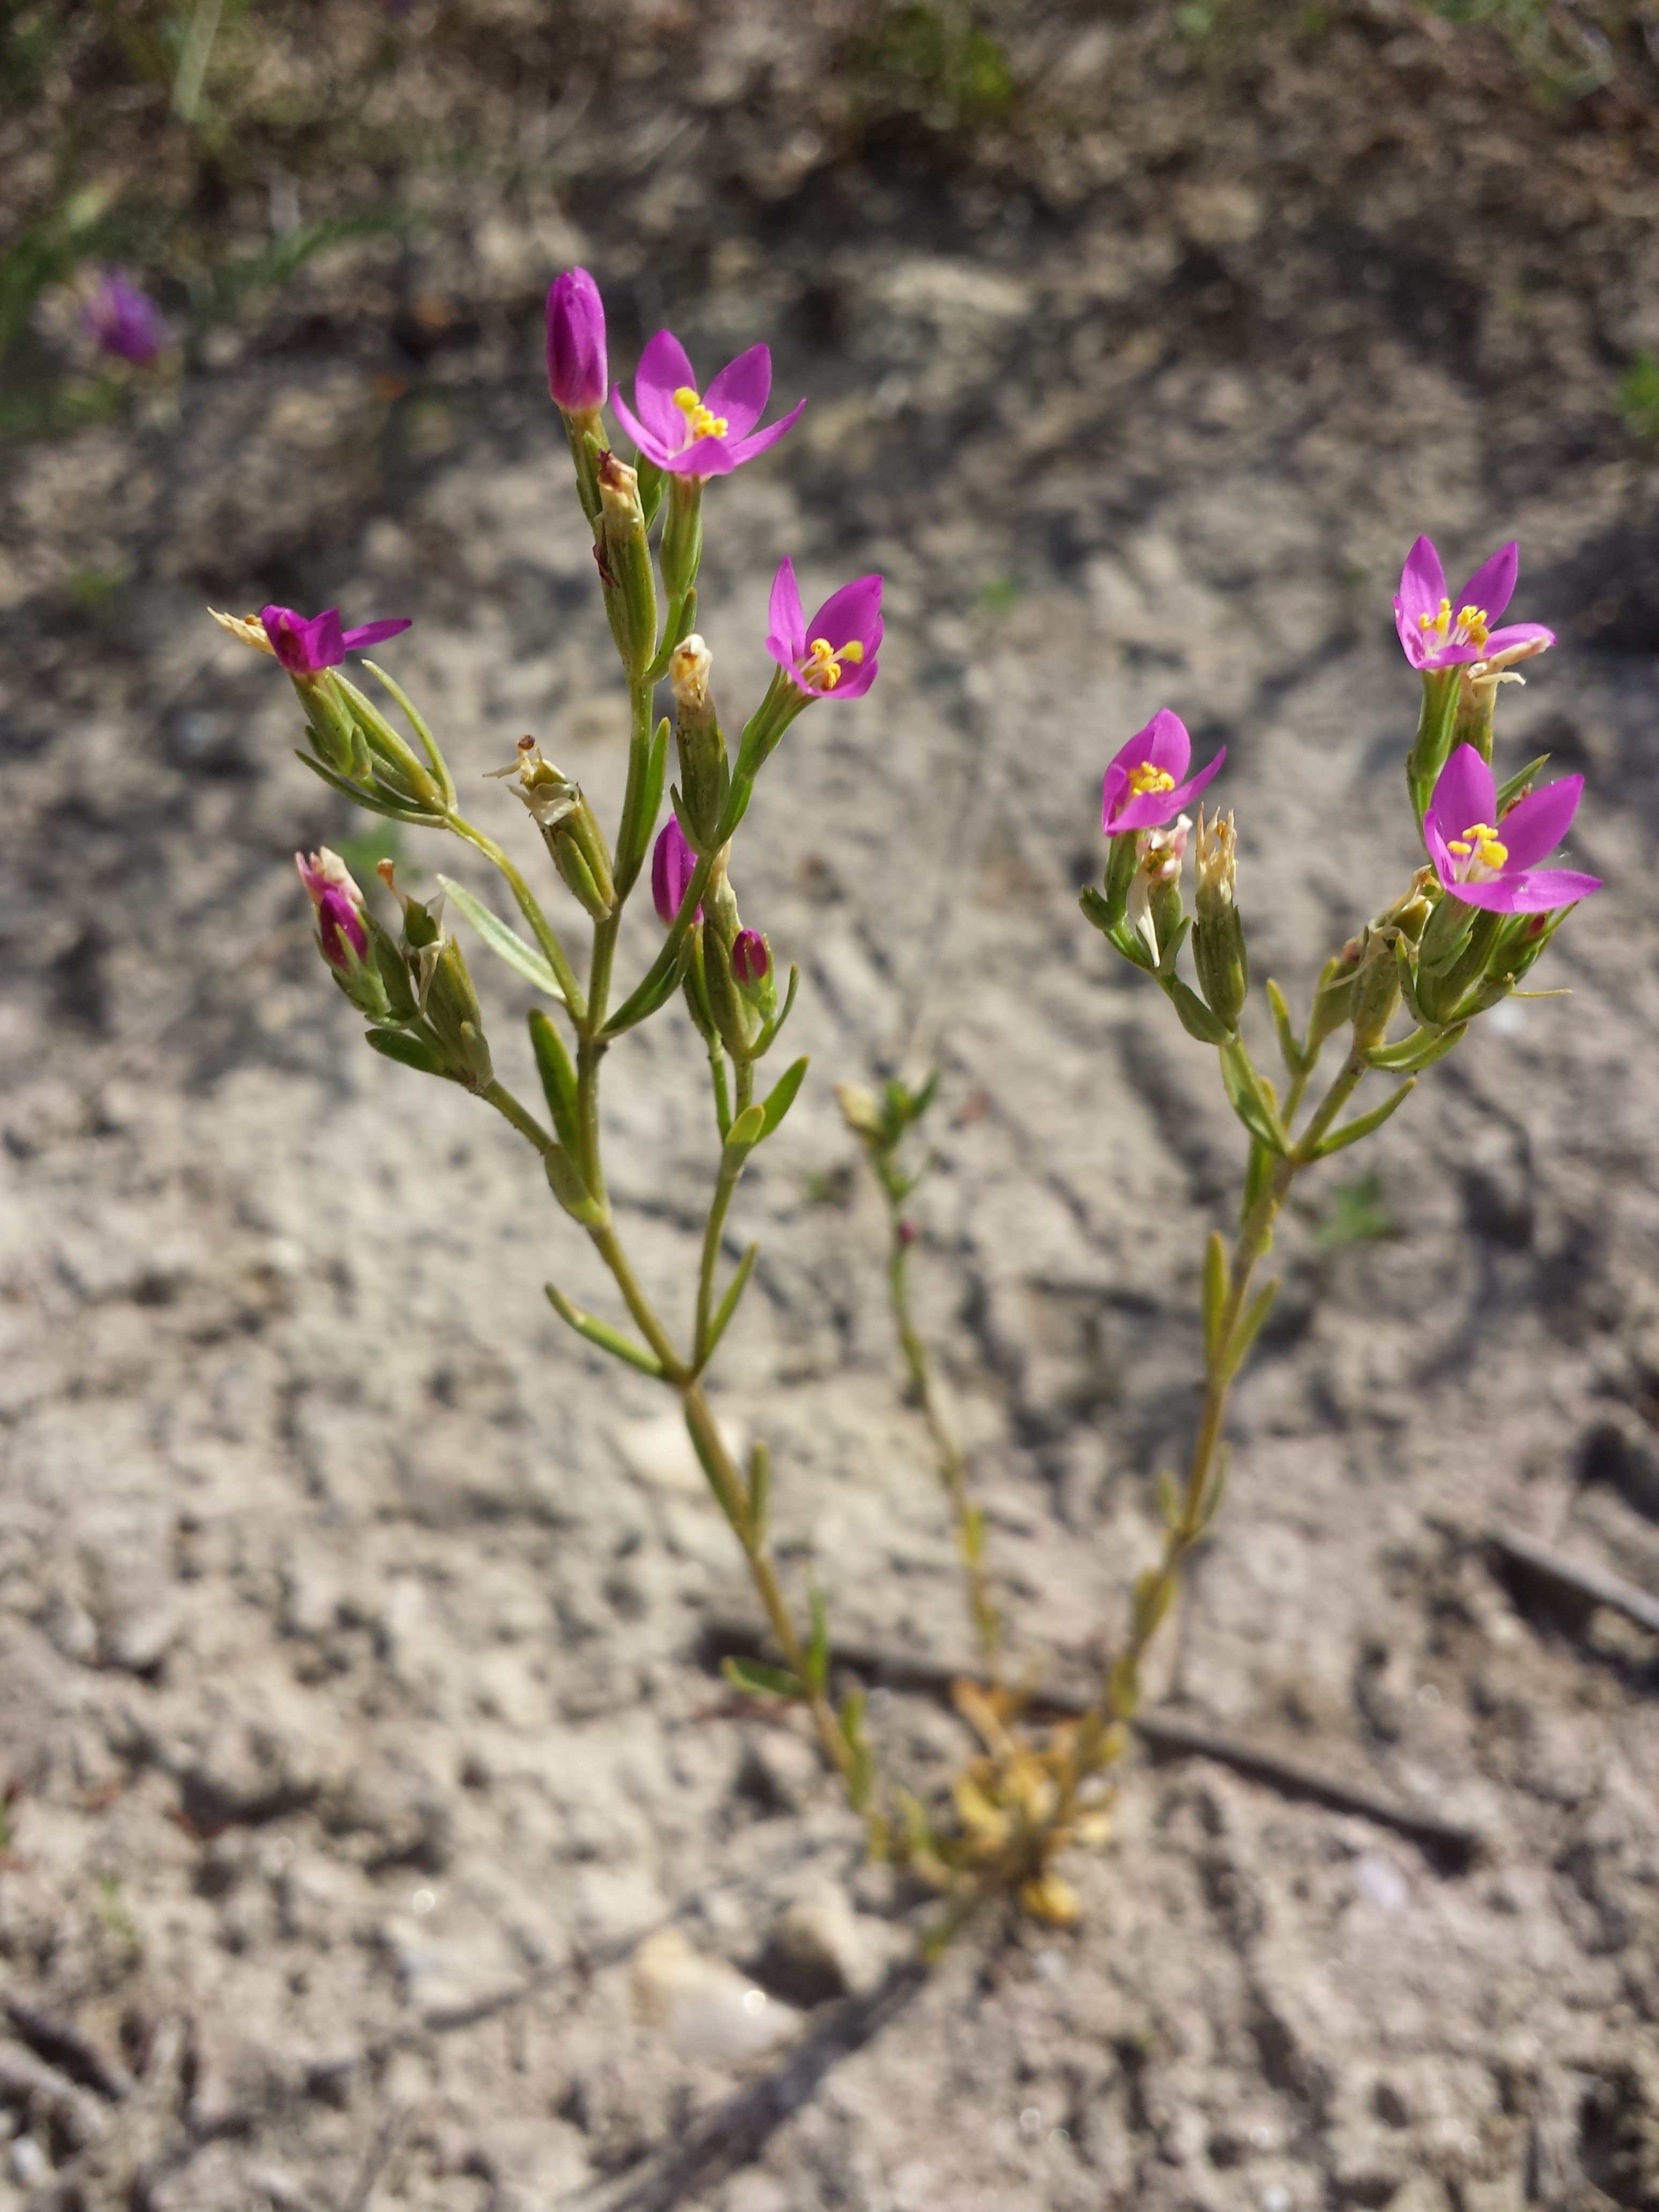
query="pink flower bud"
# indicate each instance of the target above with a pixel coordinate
(306, 645)
(751, 958)
(339, 904)
(673, 864)
(576, 367)
(907, 1234)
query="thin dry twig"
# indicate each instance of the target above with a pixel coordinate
(1591, 1582)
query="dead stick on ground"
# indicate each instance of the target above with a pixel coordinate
(1585, 1581)
(1163, 1733)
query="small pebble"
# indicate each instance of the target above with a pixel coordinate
(29, 2163)
(708, 2010)
(1381, 1883)
(1275, 2197)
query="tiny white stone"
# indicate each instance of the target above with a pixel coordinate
(1275, 2197)
(754, 2001)
(1381, 1882)
(423, 1902)
(1428, 1696)
(1030, 2121)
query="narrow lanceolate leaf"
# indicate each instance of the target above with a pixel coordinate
(505, 943)
(756, 1679)
(745, 1134)
(1519, 785)
(429, 744)
(817, 1651)
(1248, 1099)
(601, 1332)
(407, 1051)
(735, 1289)
(782, 1096)
(1169, 1503)
(371, 797)
(1417, 1051)
(760, 1487)
(1284, 1029)
(1196, 1019)
(1215, 1291)
(1249, 1330)
(572, 1193)
(1363, 1124)
(558, 1076)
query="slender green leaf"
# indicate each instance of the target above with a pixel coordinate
(601, 1332)
(1168, 1499)
(1519, 785)
(407, 1051)
(1215, 1291)
(429, 744)
(756, 1679)
(1284, 1029)
(1247, 1329)
(1248, 1099)
(568, 1187)
(734, 1291)
(558, 1077)
(373, 798)
(664, 972)
(1196, 1019)
(745, 1134)
(1420, 1050)
(1364, 1123)
(782, 1096)
(760, 1485)
(505, 943)
(818, 1649)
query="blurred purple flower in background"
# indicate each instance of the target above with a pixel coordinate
(1490, 864)
(673, 864)
(1144, 785)
(576, 365)
(700, 434)
(124, 320)
(1435, 634)
(836, 652)
(307, 646)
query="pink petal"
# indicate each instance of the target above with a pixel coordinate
(746, 449)
(852, 613)
(1515, 634)
(784, 615)
(1113, 785)
(1422, 581)
(1539, 823)
(1185, 793)
(1434, 838)
(354, 640)
(705, 457)
(1464, 793)
(647, 441)
(1530, 890)
(1411, 637)
(664, 368)
(1492, 585)
(857, 676)
(740, 391)
(1167, 743)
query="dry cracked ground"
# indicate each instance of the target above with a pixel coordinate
(355, 1706)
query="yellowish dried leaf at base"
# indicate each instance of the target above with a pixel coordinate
(1048, 1898)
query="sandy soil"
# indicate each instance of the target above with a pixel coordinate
(354, 1689)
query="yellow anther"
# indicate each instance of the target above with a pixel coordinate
(1440, 624)
(1457, 846)
(823, 663)
(1146, 778)
(1481, 840)
(703, 424)
(1493, 853)
(1471, 625)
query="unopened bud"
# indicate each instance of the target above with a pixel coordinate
(1376, 988)
(1334, 994)
(731, 1015)
(673, 864)
(624, 559)
(1154, 905)
(751, 958)
(682, 535)
(705, 772)
(1218, 953)
(861, 1111)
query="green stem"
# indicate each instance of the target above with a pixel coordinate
(552, 951)
(498, 1096)
(719, 1206)
(948, 1455)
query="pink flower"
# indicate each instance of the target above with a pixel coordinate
(1435, 633)
(339, 907)
(1488, 863)
(835, 653)
(306, 647)
(576, 369)
(125, 321)
(751, 958)
(673, 864)
(1147, 783)
(700, 434)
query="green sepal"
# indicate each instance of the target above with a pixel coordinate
(1215, 1291)
(1249, 1098)
(1196, 1019)
(653, 482)
(1520, 784)
(636, 841)
(409, 1051)
(756, 1679)
(429, 744)
(568, 1187)
(818, 1648)
(431, 787)
(373, 798)
(782, 1096)
(728, 1305)
(664, 972)
(1284, 1029)
(393, 972)
(724, 1003)
(1436, 718)
(681, 621)
(1420, 1050)
(601, 1332)
(1097, 911)
(1168, 949)
(742, 1138)
(760, 1481)
(553, 1065)
(579, 878)
(1363, 1124)
(505, 943)
(1249, 1330)
(768, 1036)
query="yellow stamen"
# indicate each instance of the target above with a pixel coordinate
(1439, 623)
(822, 665)
(703, 424)
(1471, 625)
(1146, 778)
(1483, 840)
